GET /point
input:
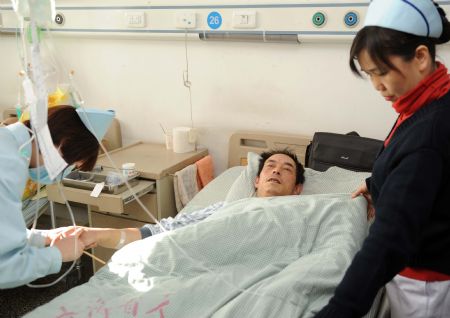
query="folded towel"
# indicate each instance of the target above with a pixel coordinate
(205, 171)
(185, 185)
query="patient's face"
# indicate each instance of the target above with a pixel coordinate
(277, 177)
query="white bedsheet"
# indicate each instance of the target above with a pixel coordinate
(258, 257)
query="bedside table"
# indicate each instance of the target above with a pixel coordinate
(156, 166)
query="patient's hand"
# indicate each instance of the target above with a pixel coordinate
(362, 189)
(89, 237)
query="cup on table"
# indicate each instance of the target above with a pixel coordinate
(129, 169)
(169, 140)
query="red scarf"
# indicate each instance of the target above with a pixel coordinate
(429, 89)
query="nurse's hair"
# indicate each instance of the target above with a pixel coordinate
(76, 143)
(381, 43)
(300, 171)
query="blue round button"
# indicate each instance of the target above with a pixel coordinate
(214, 20)
(351, 19)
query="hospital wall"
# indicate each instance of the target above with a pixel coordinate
(287, 88)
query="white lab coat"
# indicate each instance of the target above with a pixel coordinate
(21, 261)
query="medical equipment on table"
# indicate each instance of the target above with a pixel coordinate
(129, 169)
(114, 182)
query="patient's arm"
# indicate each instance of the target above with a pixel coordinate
(180, 220)
(116, 238)
(107, 237)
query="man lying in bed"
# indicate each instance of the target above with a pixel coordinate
(279, 174)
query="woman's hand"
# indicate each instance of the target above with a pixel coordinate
(362, 190)
(89, 236)
(71, 247)
(58, 233)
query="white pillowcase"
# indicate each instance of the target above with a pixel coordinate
(244, 186)
(334, 180)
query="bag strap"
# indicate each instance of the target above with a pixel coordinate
(308, 154)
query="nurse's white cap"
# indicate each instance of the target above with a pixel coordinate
(418, 17)
(97, 121)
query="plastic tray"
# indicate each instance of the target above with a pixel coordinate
(114, 183)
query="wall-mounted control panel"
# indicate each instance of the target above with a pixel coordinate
(321, 20)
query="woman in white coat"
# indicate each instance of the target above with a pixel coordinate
(27, 255)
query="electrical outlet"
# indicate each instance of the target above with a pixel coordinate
(135, 19)
(186, 20)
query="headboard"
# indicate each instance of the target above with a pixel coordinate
(111, 141)
(243, 142)
(9, 112)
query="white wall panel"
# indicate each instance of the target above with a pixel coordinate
(291, 88)
(161, 16)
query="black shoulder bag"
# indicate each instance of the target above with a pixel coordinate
(348, 151)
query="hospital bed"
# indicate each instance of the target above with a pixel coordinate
(166, 274)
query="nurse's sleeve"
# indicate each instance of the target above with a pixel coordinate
(20, 263)
(37, 237)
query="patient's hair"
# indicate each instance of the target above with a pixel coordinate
(76, 142)
(300, 171)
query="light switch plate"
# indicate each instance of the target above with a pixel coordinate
(244, 19)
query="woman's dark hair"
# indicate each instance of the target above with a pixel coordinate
(76, 142)
(300, 171)
(381, 43)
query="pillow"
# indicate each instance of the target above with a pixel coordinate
(244, 186)
(215, 191)
(334, 180)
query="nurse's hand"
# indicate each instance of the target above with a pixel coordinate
(362, 190)
(71, 247)
(60, 232)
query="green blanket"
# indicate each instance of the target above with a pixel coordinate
(258, 257)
